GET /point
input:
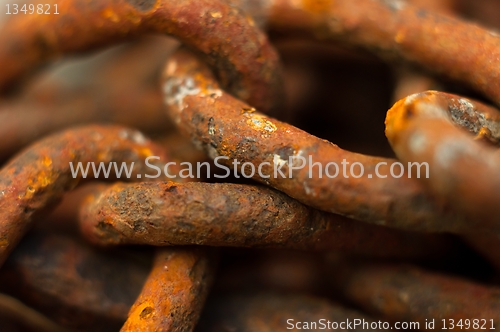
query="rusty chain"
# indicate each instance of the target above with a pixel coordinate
(247, 253)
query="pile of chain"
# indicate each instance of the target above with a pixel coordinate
(226, 81)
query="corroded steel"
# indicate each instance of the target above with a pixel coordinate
(396, 30)
(39, 176)
(242, 55)
(225, 126)
(175, 291)
(406, 293)
(217, 88)
(426, 128)
(170, 213)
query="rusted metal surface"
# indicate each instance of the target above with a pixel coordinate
(410, 80)
(432, 127)
(175, 292)
(169, 213)
(80, 287)
(267, 312)
(101, 96)
(405, 293)
(397, 30)
(245, 61)
(227, 127)
(39, 176)
(462, 171)
(335, 91)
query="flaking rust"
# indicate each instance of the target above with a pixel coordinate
(163, 214)
(426, 127)
(38, 177)
(458, 138)
(214, 120)
(220, 112)
(175, 291)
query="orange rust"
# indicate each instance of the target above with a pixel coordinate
(395, 29)
(170, 213)
(317, 6)
(29, 182)
(426, 128)
(407, 293)
(410, 80)
(229, 41)
(174, 293)
(216, 123)
(202, 214)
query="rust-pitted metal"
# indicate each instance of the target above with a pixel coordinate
(245, 61)
(426, 128)
(270, 312)
(225, 126)
(397, 30)
(175, 291)
(405, 293)
(280, 235)
(479, 119)
(216, 214)
(38, 176)
(79, 287)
